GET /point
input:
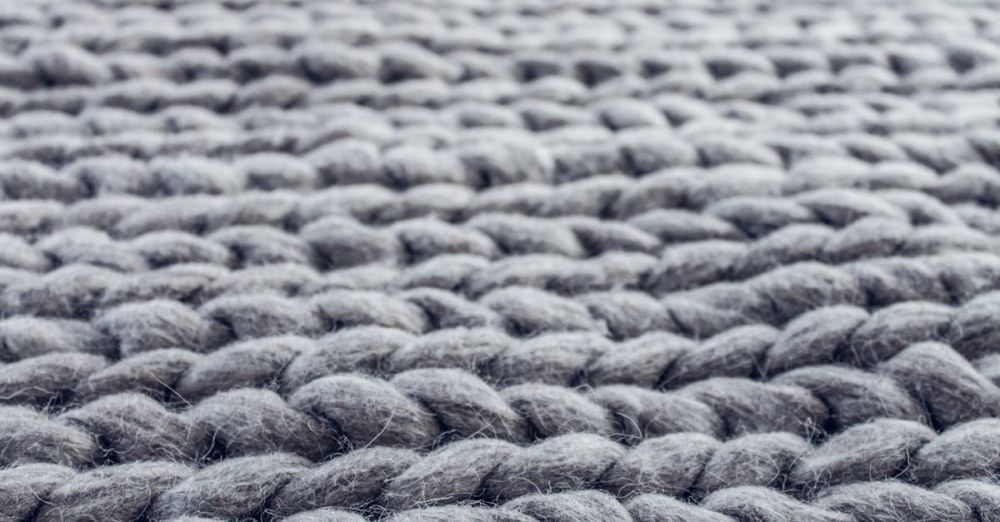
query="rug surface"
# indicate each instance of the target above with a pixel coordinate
(477, 260)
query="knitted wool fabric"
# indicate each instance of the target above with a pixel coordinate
(484, 260)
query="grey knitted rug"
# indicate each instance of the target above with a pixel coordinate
(499, 261)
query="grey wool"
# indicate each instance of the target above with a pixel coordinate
(499, 261)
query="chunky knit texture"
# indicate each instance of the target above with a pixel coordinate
(484, 260)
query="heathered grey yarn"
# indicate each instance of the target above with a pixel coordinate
(24, 487)
(121, 492)
(517, 261)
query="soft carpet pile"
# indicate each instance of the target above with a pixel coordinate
(483, 260)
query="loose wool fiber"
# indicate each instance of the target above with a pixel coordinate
(499, 260)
